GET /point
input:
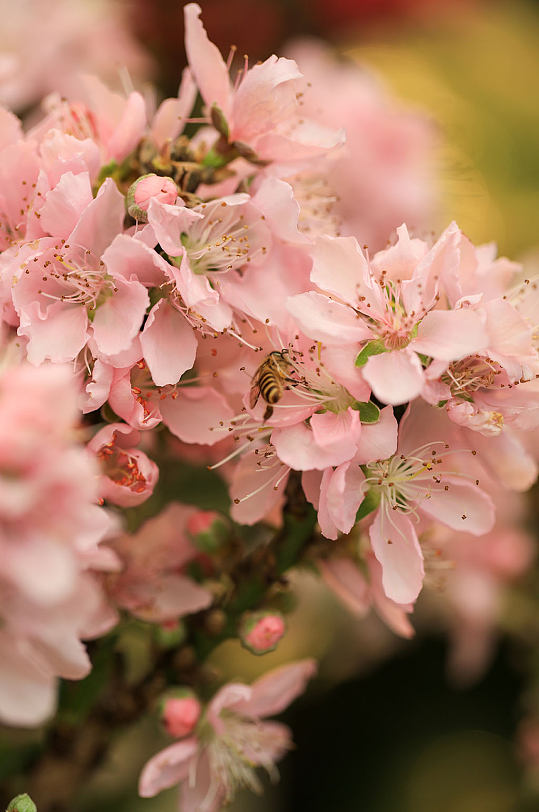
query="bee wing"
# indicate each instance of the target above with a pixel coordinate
(254, 394)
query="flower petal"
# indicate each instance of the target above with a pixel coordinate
(395, 545)
(166, 768)
(394, 377)
(168, 343)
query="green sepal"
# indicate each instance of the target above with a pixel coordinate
(214, 159)
(219, 121)
(370, 503)
(22, 803)
(375, 347)
(368, 411)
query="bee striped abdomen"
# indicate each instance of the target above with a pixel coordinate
(270, 387)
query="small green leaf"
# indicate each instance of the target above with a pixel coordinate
(370, 503)
(368, 411)
(376, 347)
(22, 803)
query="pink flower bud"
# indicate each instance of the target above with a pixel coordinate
(207, 529)
(261, 631)
(146, 188)
(180, 715)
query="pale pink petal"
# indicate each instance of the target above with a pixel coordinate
(265, 97)
(127, 257)
(323, 319)
(173, 596)
(506, 457)
(195, 413)
(463, 506)
(205, 61)
(509, 333)
(310, 482)
(347, 582)
(130, 129)
(275, 199)
(59, 334)
(344, 494)
(308, 140)
(273, 692)
(227, 697)
(394, 377)
(378, 440)
(97, 388)
(10, 128)
(400, 260)
(340, 363)
(296, 447)
(118, 320)
(169, 119)
(167, 768)
(451, 334)
(328, 528)
(207, 794)
(395, 545)
(27, 692)
(169, 222)
(168, 343)
(337, 432)
(395, 615)
(101, 221)
(25, 562)
(65, 203)
(256, 490)
(438, 264)
(339, 266)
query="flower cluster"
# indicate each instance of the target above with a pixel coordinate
(236, 294)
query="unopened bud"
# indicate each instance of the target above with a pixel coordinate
(215, 622)
(261, 631)
(207, 530)
(22, 803)
(180, 713)
(146, 188)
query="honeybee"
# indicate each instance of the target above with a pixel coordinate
(269, 380)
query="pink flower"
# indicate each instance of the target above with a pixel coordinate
(262, 110)
(50, 524)
(412, 483)
(391, 304)
(358, 593)
(153, 585)
(129, 477)
(64, 292)
(383, 174)
(232, 740)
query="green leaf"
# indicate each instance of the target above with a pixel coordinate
(22, 803)
(368, 411)
(376, 347)
(370, 503)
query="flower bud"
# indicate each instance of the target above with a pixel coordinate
(207, 530)
(180, 713)
(22, 803)
(146, 188)
(261, 631)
